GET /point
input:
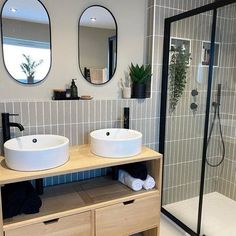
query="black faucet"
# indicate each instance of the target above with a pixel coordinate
(126, 117)
(6, 124)
(115, 169)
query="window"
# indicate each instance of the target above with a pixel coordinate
(35, 49)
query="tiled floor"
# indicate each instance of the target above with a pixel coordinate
(169, 229)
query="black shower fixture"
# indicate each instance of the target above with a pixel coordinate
(194, 92)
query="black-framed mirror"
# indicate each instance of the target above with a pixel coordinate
(97, 44)
(26, 40)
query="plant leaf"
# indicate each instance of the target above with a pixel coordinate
(177, 75)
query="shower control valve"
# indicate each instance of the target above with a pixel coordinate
(193, 106)
(194, 92)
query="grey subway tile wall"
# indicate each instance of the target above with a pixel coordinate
(226, 176)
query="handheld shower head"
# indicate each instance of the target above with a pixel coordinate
(218, 94)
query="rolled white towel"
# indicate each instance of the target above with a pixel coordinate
(133, 183)
(149, 183)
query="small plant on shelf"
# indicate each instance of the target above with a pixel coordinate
(29, 67)
(178, 66)
(139, 76)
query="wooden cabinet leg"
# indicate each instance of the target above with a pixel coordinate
(1, 219)
(152, 232)
(93, 223)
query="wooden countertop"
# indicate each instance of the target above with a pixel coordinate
(81, 159)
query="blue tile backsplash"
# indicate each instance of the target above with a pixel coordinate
(62, 179)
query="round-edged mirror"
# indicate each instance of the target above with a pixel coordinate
(26, 40)
(97, 44)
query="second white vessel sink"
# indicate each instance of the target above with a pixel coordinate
(36, 152)
(115, 143)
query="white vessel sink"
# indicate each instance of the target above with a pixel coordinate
(115, 143)
(36, 152)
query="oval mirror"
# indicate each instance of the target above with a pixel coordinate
(26, 40)
(97, 44)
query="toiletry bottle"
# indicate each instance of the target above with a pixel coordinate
(68, 93)
(73, 89)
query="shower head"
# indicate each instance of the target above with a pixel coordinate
(216, 103)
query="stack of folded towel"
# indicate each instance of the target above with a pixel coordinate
(135, 176)
(19, 198)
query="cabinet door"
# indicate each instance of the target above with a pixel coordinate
(128, 217)
(74, 225)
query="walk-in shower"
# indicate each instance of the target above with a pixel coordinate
(198, 119)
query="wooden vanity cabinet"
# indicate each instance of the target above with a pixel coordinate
(95, 207)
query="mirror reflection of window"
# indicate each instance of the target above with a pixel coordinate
(26, 40)
(97, 45)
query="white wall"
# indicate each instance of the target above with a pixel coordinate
(64, 15)
(26, 30)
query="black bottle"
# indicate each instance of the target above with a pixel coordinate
(73, 89)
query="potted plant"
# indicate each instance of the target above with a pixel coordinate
(179, 61)
(29, 67)
(139, 76)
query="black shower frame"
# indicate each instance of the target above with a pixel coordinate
(166, 47)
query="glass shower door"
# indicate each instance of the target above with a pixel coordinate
(219, 202)
(185, 117)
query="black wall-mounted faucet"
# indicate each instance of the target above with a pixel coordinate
(126, 117)
(6, 124)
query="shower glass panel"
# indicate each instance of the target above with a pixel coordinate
(185, 118)
(219, 202)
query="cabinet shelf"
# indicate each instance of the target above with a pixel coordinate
(64, 200)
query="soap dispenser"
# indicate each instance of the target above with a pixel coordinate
(73, 89)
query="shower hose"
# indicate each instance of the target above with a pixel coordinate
(216, 114)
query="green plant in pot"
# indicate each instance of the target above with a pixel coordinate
(29, 68)
(139, 76)
(177, 75)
